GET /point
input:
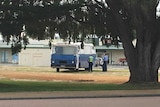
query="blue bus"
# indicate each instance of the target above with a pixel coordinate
(72, 56)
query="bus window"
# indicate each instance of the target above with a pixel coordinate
(65, 50)
(59, 50)
(53, 49)
(93, 47)
(69, 50)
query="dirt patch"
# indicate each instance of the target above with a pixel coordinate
(48, 74)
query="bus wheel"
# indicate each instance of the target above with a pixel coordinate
(86, 69)
(57, 69)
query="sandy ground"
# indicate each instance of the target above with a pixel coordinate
(49, 74)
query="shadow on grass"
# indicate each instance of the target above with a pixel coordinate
(72, 71)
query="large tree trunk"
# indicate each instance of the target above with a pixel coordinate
(140, 64)
(144, 59)
(142, 68)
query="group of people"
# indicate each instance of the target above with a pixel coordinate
(104, 66)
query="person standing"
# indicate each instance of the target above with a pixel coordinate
(90, 62)
(105, 61)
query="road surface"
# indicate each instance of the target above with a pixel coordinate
(84, 102)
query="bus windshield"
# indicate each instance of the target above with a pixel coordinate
(65, 50)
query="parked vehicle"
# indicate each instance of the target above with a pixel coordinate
(99, 61)
(123, 61)
(71, 56)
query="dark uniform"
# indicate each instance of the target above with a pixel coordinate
(90, 61)
(105, 61)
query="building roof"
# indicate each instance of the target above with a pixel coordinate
(4, 44)
(31, 45)
(109, 48)
(44, 44)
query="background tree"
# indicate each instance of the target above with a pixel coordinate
(127, 19)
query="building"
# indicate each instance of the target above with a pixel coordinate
(38, 53)
(5, 53)
(115, 53)
(35, 55)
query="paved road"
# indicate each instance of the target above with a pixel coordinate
(85, 102)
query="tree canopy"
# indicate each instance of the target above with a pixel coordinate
(127, 19)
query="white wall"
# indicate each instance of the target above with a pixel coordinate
(114, 55)
(35, 57)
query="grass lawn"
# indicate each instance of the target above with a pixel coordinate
(28, 86)
(11, 85)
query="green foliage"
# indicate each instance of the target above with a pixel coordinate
(69, 19)
(74, 17)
